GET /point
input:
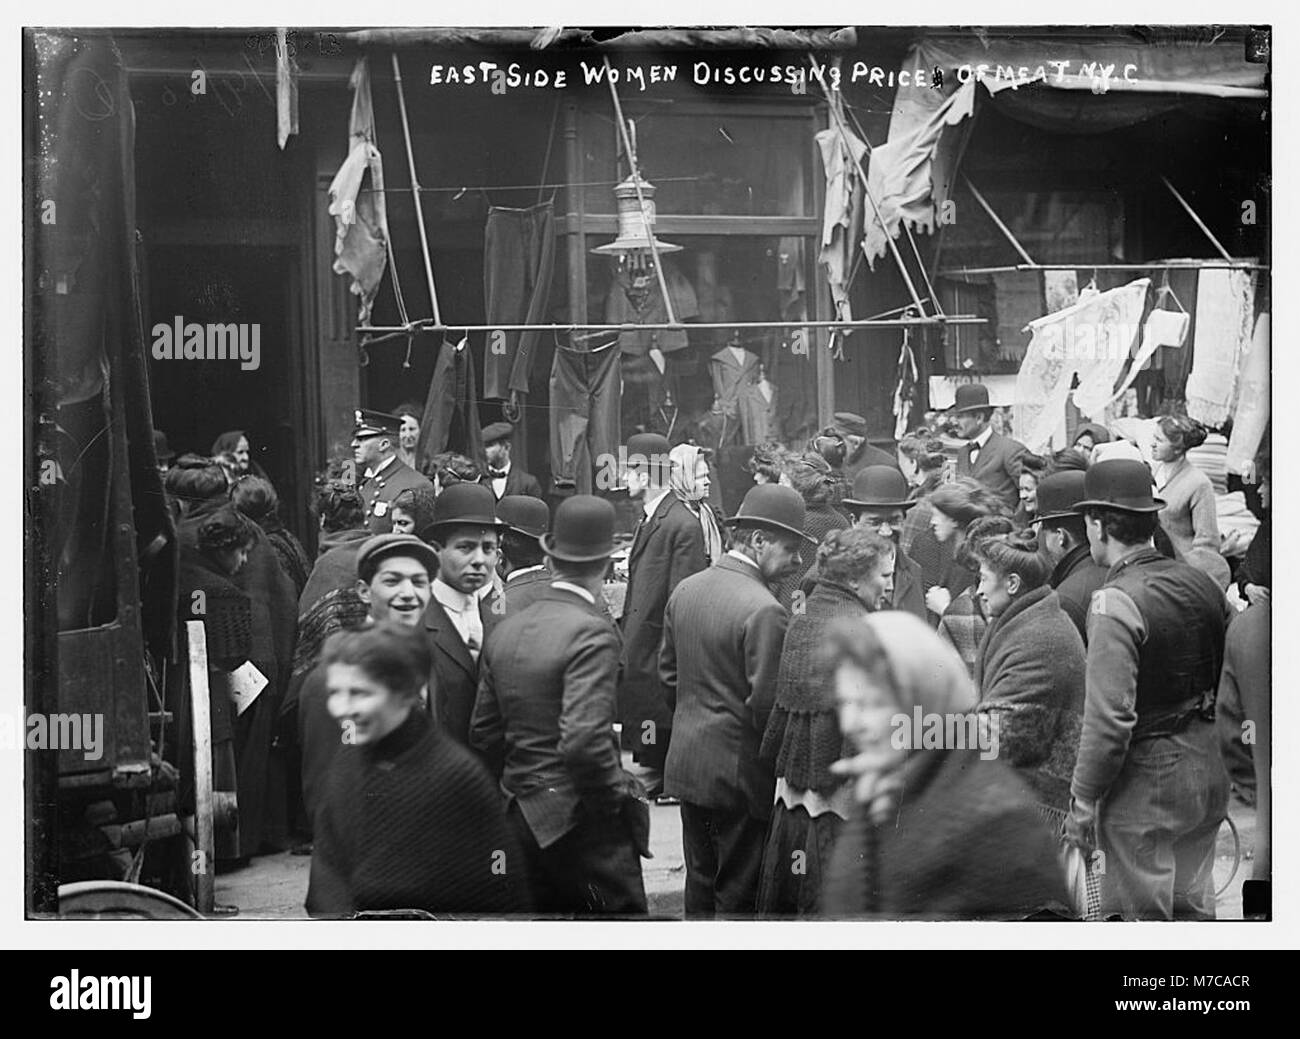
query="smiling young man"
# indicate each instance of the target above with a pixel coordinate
(394, 574)
(465, 532)
(408, 819)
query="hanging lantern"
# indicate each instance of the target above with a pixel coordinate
(635, 225)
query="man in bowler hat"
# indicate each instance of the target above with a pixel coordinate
(667, 547)
(1064, 538)
(502, 475)
(382, 476)
(544, 722)
(465, 532)
(1149, 786)
(991, 458)
(522, 563)
(722, 638)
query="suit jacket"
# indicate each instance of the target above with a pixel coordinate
(868, 454)
(1075, 578)
(524, 590)
(723, 632)
(997, 467)
(517, 482)
(455, 672)
(545, 711)
(379, 491)
(668, 547)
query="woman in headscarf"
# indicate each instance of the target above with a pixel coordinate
(1030, 668)
(234, 448)
(1190, 516)
(803, 738)
(256, 499)
(1088, 436)
(689, 482)
(815, 481)
(965, 621)
(950, 833)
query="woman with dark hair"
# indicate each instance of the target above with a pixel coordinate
(256, 499)
(412, 509)
(803, 734)
(950, 833)
(408, 433)
(1067, 459)
(922, 461)
(408, 818)
(767, 463)
(965, 620)
(207, 593)
(956, 505)
(813, 478)
(1190, 516)
(1032, 469)
(196, 485)
(1030, 668)
(449, 467)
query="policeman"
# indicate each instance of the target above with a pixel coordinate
(1149, 786)
(381, 474)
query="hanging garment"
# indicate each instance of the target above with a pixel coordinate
(735, 372)
(585, 414)
(1251, 417)
(905, 379)
(360, 217)
(842, 213)
(790, 273)
(1163, 328)
(1225, 309)
(1177, 363)
(758, 404)
(1093, 339)
(518, 260)
(638, 301)
(450, 420)
(789, 362)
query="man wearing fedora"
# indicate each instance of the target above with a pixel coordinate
(544, 722)
(465, 532)
(522, 565)
(723, 632)
(501, 474)
(667, 547)
(393, 577)
(991, 458)
(382, 476)
(1063, 536)
(858, 450)
(1149, 786)
(879, 502)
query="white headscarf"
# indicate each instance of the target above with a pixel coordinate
(681, 480)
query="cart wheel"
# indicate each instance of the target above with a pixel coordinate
(118, 900)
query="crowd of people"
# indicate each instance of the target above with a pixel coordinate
(932, 683)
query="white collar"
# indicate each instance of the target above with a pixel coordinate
(653, 503)
(737, 554)
(453, 598)
(524, 570)
(575, 589)
(982, 440)
(382, 466)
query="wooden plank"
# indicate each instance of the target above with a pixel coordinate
(200, 700)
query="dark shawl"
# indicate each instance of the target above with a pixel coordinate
(803, 732)
(413, 822)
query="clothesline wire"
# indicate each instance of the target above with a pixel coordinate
(467, 188)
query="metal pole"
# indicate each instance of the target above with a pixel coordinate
(902, 322)
(200, 701)
(415, 192)
(636, 183)
(1199, 222)
(866, 190)
(1211, 265)
(994, 217)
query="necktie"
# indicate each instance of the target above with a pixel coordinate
(974, 451)
(497, 474)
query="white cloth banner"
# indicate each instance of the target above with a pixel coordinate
(1225, 305)
(1253, 409)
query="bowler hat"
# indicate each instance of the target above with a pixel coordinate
(374, 423)
(463, 504)
(972, 396)
(771, 505)
(524, 514)
(1059, 495)
(879, 487)
(1119, 484)
(497, 431)
(381, 546)
(645, 450)
(584, 530)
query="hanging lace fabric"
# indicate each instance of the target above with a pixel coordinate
(905, 378)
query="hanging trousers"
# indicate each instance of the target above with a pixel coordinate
(585, 417)
(518, 259)
(450, 420)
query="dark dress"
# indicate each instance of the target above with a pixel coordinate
(963, 841)
(289, 551)
(803, 740)
(413, 822)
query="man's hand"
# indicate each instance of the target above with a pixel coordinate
(1081, 826)
(937, 599)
